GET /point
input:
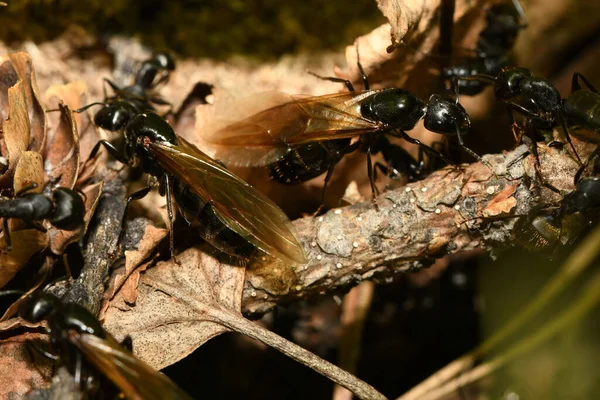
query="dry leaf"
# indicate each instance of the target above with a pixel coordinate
(177, 307)
(412, 32)
(133, 258)
(16, 128)
(18, 372)
(60, 239)
(75, 95)
(62, 152)
(29, 171)
(24, 244)
(129, 288)
(37, 117)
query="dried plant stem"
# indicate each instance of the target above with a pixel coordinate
(343, 378)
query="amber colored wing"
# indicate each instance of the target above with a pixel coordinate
(238, 205)
(266, 136)
(136, 379)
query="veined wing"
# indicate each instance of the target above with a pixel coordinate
(238, 205)
(266, 135)
(136, 379)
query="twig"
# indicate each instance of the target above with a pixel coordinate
(449, 212)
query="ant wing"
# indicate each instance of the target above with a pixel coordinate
(277, 121)
(238, 205)
(136, 379)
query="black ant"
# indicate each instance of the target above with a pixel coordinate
(134, 99)
(64, 209)
(503, 23)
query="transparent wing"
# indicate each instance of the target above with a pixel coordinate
(278, 120)
(238, 205)
(135, 378)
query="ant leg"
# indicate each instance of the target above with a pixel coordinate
(575, 83)
(7, 240)
(42, 352)
(140, 194)
(563, 125)
(334, 79)
(472, 153)
(112, 150)
(82, 109)
(532, 146)
(35, 225)
(374, 190)
(169, 188)
(364, 77)
(112, 85)
(585, 165)
(431, 150)
(26, 189)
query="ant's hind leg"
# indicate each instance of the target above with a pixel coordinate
(575, 83)
(583, 167)
(334, 79)
(428, 149)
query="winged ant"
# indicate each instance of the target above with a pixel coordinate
(80, 344)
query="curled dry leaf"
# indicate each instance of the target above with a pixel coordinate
(29, 171)
(178, 307)
(62, 152)
(186, 305)
(412, 34)
(502, 203)
(15, 129)
(60, 239)
(19, 373)
(75, 96)
(133, 259)
(21, 67)
(25, 243)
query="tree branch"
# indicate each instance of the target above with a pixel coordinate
(450, 211)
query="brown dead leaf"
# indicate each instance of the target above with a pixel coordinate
(29, 170)
(75, 95)
(62, 152)
(129, 288)
(133, 259)
(178, 307)
(60, 239)
(9, 79)
(37, 117)
(25, 243)
(412, 33)
(19, 373)
(502, 203)
(16, 129)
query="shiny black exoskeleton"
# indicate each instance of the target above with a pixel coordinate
(504, 21)
(577, 212)
(62, 317)
(137, 98)
(64, 209)
(155, 129)
(535, 98)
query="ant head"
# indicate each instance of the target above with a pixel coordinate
(509, 82)
(152, 126)
(446, 116)
(114, 116)
(395, 107)
(69, 209)
(585, 196)
(38, 306)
